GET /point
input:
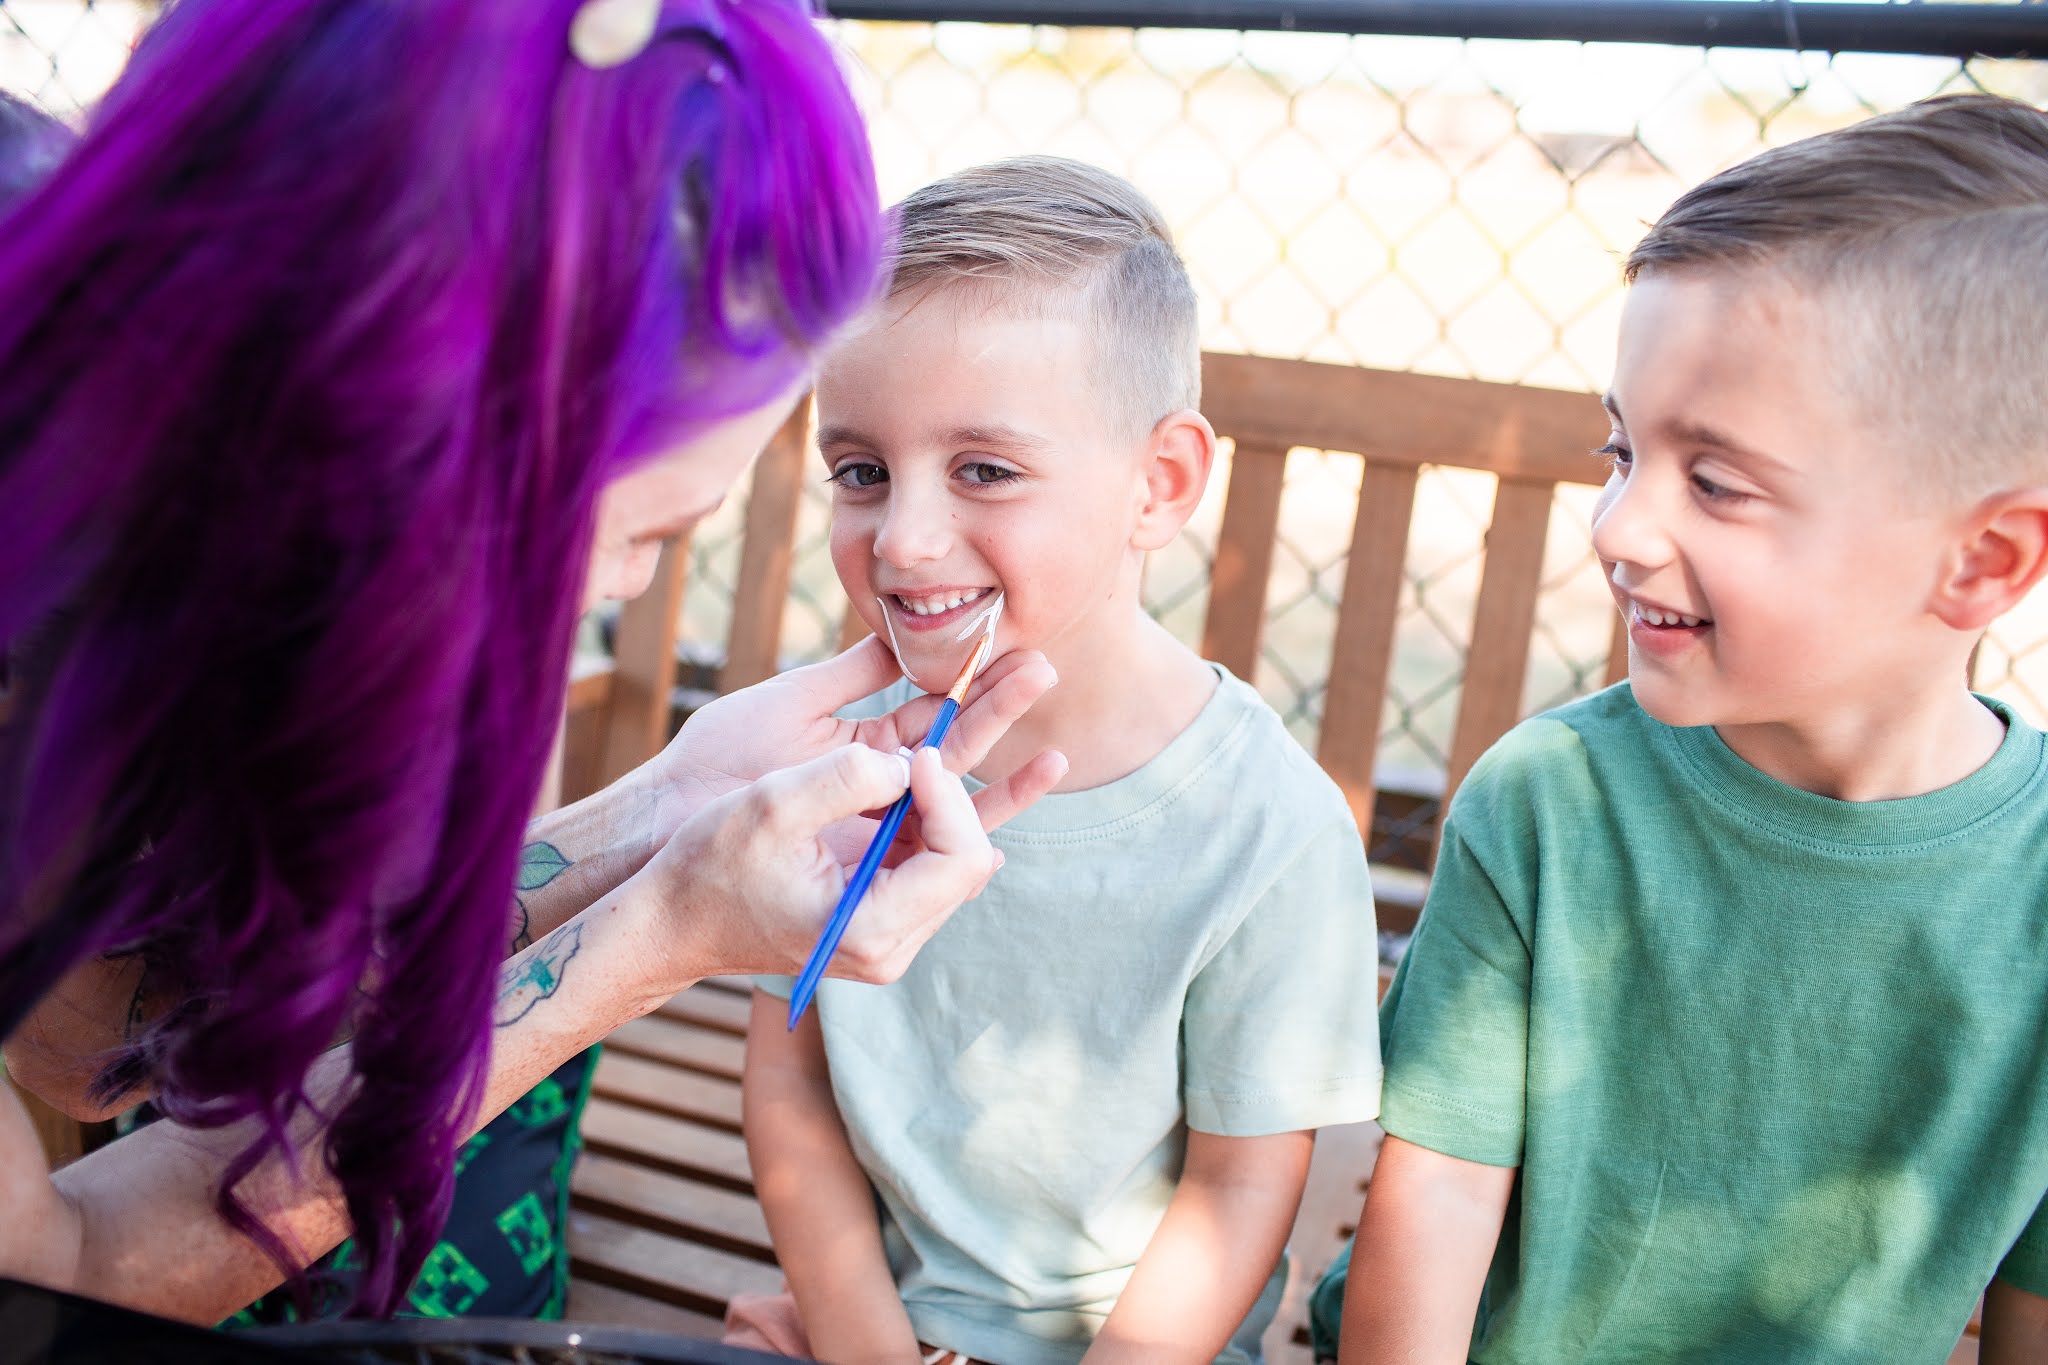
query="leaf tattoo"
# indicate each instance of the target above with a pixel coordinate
(540, 862)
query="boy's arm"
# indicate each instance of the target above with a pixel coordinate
(1420, 1259)
(1214, 1251)
(2015, 1326)
(819, 1206)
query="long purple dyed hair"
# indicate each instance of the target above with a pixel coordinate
(314, 357)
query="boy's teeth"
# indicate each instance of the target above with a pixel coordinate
(1654, 617)
(935, 606)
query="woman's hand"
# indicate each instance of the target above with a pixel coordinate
(746, 883)
(792, 718)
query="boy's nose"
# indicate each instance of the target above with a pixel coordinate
(914, 530)
(1627, 528)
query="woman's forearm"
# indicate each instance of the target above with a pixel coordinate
(819, 1207)
(573, 857)
(136, 1222)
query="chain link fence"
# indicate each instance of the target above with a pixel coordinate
(1452, 205)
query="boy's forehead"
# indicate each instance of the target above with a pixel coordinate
(955, 366)
(1745, 364)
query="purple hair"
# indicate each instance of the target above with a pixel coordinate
(314, 357)
(31, 145)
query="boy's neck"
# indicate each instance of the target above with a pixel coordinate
(1908, 746)
(1126, 690)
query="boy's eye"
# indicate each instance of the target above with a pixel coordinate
(982, 472)
(1617, 455)
(1714, 492)
(858, 474)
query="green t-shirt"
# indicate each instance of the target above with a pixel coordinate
(1190, 946)
(1774, 1067)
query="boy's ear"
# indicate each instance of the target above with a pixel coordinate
(1178, 455)
(2003, 553)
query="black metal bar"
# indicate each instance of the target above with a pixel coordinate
(1945, 30)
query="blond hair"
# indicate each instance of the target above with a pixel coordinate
(1047, 232)
(1923, 235)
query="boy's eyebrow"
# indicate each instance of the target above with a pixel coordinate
(996, 434)
(1689, 432)
(1700, 434)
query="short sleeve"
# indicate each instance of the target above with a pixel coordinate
(781, 987)
(1279, 1025)
(1456, 1019)
(2026, 1265)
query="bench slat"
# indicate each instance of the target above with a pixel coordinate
(668, 1089)
(671, 1204)
(1495, 666)
(1617, 651)
(713, 1005)
(700, 1278)
(1403, 418)
(711, 1051)
(595, 1304)
(1244, 557)
(671, 1144)
(1362, 654)
(766, 555)
(645, 673)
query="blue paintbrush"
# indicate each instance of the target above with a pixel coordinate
(892, 820)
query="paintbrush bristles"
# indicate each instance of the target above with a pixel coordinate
(975, 663)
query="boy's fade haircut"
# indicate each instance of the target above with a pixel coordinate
(1080, 241)
(1923, 233)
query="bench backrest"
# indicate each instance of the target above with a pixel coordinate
(1395, 422)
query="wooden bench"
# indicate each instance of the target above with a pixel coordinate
(664, 1227)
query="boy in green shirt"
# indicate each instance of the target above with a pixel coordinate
(1724, 1036)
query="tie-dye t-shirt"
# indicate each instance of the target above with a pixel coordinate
(1774, 1067)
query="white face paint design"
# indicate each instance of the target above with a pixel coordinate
(982, 622)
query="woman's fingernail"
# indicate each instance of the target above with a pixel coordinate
(1000, 860)
(903, 757)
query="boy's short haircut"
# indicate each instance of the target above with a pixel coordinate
(1923, 235)
(1080, 240)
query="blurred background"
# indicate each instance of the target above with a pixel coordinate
(1451, 204)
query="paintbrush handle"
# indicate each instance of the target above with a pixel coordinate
(857, 884)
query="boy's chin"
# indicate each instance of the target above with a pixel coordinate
(1679, 707)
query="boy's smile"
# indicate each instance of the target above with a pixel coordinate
(1773, 554)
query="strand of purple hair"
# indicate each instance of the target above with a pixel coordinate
(314, 357)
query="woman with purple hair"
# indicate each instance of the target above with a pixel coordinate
(356, 347)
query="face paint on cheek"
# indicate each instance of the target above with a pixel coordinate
(983, 622)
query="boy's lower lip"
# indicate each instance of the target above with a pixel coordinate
(1663, 641)
(951, 616)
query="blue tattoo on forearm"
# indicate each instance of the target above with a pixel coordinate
(536, 975)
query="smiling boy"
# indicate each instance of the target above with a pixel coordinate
(1079, 1126)
(1724, 1035)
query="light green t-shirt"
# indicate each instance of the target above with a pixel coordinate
(1189, 945)
(1774, 1067)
